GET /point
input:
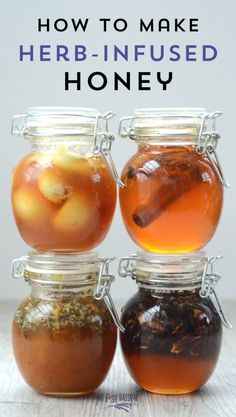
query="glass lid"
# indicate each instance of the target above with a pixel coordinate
(177, 125)
(58, 121)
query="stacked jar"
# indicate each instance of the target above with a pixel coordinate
(63, 198)
(171, 204)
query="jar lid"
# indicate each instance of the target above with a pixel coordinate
(59, 121)
(62, 263)
(166, 126)
(170, 263)
(58, 266)
(167, 272)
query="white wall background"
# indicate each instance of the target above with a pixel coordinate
(209, 85)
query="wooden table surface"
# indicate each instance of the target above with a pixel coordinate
(119, 395)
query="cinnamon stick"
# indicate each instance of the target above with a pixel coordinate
(181, 178)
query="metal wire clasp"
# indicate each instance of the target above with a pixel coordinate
(207, 143)
(127, 266)
(19, 124)
(102, 291)
(102, 144)
(18, 267)
(124, 127)
(209, 281)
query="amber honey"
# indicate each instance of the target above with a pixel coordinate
(63, 201)
(169, 375)
(63, 347)
(172, 198)
(63, 362)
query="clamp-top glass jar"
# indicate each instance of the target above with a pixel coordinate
(63, 193)
(64, 334)
(173, 193)
(173, 328)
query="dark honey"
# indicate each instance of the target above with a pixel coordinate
(172, 340)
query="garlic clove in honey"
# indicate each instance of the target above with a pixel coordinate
(76, 213)
(27, 206)
(53, 188)
(72, 164)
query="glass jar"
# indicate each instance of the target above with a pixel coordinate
(64, 333)
(63, 193)
(173, 328)
(173, 194)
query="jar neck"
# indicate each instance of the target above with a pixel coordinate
(80, 146)
(61, 284)
(169, 294)
(49, 291)
(190, 281)
(162, 149)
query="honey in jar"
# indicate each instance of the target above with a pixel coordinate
(63, 333)
(63, 191)
(173, 329)
(173, 194)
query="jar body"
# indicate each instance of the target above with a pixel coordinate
(172, 198)
(63, 347)
(63, 198)
(171, 341)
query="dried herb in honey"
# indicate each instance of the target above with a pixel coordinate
(174, 324)
(75, 311)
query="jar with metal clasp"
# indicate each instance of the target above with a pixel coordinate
(173, 324)
(173, 194)
(64, 333)
(64, 190)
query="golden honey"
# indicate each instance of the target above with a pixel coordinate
(63, 191)
(173, 194)
(62, 201)
(172, 199)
